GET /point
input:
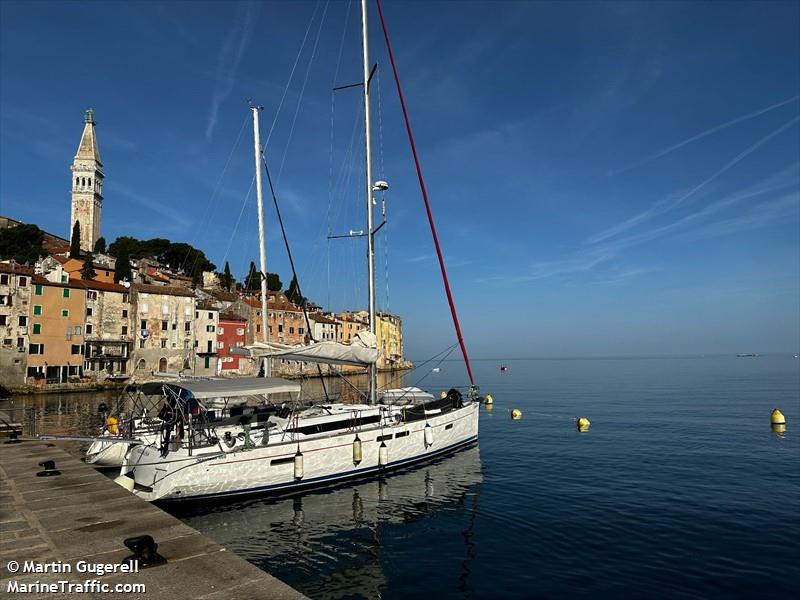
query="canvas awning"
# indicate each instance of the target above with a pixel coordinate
(235, 387)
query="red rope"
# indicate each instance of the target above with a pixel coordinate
(425, 196)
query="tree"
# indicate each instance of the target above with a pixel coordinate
(293, 293)
(252, 282)
(226, 280)
(122, 270)
(75, 244)
(100, 246)
(22, 243)
(274, 283)
(87, 270)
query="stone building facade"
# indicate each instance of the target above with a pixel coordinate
(206, 323)
(164, 321)
(231, 333)
(109, 330)
(87, 186)
(15, 293)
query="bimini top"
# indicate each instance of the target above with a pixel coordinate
(235, 386)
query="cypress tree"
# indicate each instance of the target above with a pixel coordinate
(87, 270)
(122, 270)
(75, 243)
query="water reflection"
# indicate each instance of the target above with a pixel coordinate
(334, 543)
(76, 413)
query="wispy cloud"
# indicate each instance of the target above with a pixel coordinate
(171, 216)
(706, 133)
(667, 204)
(420, 258)
(228, 60)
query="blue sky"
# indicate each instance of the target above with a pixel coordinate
(608, 178)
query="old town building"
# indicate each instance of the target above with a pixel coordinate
(15, 292)
(231, 334)
(205, 339)
(325, 328)
(164, 320)
(56, 332)
(109, 330)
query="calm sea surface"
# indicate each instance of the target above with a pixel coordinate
(679, 490)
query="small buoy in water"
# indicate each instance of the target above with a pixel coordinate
(298, 465)
(383, 455)
(490, 407)
(125, 481)
(583, 424)
(516, 414)
(777, 418)
(357, 450)
(489, 399)
(443, 395)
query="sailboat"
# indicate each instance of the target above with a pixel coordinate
(286, 445)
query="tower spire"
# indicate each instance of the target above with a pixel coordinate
(87, 185)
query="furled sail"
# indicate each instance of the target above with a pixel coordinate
(362, 351)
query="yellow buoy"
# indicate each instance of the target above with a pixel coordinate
(112, 425)
(489, 399)
(516, 414)
(490, 407)
(777, 418)
(583, 424)
(443, 395)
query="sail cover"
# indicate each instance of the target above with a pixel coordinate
(235, 387)
(361, 352)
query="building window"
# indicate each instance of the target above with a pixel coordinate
(209, 328)
(291, 329)
(163, 343)
(164, 325)
(141, 343)
(88, 330)
(64, 312)
(7, 342)
(240, 331)
(143, 325)
(221, 330)
(22, 321)
(141, 365)
(185, 344)
(3, 319)
(37, 329)
(300, 330)
(37, 290)
(37, 310)
(124, 330)
(143, 307)
(125, 298)
(65, 292)
(69, 333)
(220, 345)
(75, 349)
(124, 313)
(3, 279)
(187, 326)
(206, 362)
(89, 311)
(22, 282)
(210, 315)
(90, 295)
(280, 328)
(258, 328)
(36, 349)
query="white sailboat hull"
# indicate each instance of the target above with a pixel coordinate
(271, 469)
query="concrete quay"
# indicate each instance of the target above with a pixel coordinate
(82, 515)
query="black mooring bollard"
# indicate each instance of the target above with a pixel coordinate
(144, 550)
(49, 469)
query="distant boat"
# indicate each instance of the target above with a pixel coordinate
(435, 370)
(749, 355)
(503, 368)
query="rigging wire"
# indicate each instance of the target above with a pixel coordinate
(302, 93)
(424, 191)
(207, 214)
(383, 193)
(291, 262)
(291, 74)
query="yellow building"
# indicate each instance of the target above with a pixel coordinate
(55, 331)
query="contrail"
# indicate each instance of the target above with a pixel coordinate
(662, 206)
(706, 133)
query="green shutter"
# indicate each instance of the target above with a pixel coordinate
(37, 328)
(37, 309)
(37, 290)
(64, 312)
(66, 292)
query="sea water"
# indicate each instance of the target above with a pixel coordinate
(680, 489)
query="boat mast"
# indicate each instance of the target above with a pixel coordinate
(370, 233)
(262, 249)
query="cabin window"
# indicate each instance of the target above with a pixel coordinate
(383, 438)
(446, 427)
(401, 434)
(281, 461)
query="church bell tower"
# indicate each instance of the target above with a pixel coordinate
(87, 186)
